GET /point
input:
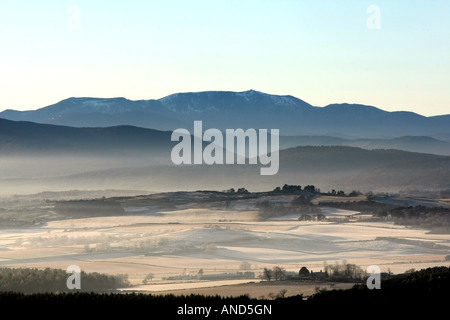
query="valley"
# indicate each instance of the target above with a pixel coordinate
(189, 240)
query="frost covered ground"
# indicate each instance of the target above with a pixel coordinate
(178, 243)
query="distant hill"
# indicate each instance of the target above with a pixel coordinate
(407, 143)
(248, 109)
(39, 157)
(25, 137)
(28, 137)
(345, 168)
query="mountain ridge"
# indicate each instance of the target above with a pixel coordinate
(31, 137)
(37, 157)
(246, 109)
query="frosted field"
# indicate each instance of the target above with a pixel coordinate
(181, 242)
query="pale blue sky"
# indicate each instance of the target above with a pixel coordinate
(319, 51)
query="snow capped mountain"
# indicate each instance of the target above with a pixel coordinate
(227, 100)
(94, 105)
(247, 109)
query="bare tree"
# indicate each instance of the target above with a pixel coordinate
(148, 278)
(267, 274)
(282, 293)
(279, 273)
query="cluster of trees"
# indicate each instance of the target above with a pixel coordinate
(337, 193)
(292, 188)
(341, 193)
(425, 217)
(435, 218)
(341, 272)
(344, 272)
(276, 273)
(32, 280)
(301, 204)
(148, 278)
(240, 191)
(312, 217)
(200, 275)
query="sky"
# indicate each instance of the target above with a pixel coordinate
(394, 55)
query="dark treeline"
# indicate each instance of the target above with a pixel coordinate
(367, 206)
(118, 305)
(431, 284)
(425, 290)
(293, 188)
(28, 280)
(437, 218)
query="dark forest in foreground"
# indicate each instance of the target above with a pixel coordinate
(426, 289)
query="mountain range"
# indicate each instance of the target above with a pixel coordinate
(93, 143)
(248, 109)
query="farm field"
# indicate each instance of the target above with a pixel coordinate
(203, 248)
